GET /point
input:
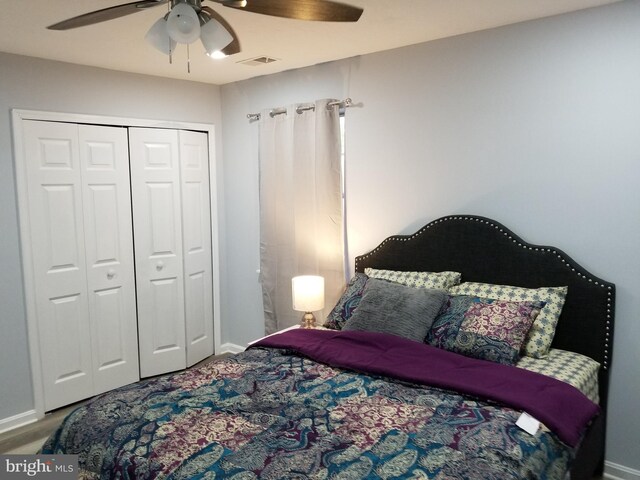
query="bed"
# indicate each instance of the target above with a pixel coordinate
(359, 403)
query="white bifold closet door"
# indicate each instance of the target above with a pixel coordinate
(79, 216)
(172, 226)
(196, 244)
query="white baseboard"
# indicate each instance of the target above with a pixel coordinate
(19, 420)
(614, 471)
(231, 348)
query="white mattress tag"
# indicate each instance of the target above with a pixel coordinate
(528, 423)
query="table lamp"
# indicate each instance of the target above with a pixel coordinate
(308, 296)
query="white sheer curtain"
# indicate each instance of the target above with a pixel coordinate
(300, 208)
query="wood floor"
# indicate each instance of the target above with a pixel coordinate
(29, 439)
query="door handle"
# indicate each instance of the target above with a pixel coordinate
(160, 265)
(111, 273)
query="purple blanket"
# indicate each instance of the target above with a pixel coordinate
(561, 407)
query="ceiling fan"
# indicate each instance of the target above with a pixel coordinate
(188, 20)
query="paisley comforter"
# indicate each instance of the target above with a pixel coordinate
(274, 413)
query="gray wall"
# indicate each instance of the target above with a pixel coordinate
(29, 83)
(536, 125)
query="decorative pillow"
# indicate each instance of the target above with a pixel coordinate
(388, 307)
(443, 280)
(483, 328)
(347, 303)
(539, 338)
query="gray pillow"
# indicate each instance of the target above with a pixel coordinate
(388, 307)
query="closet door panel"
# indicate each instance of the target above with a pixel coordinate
(196, 222)
(155, 186)
(104, 159)
(57, 250)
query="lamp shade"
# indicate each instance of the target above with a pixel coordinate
(308, 293)
(183, 24)
(159, 38)
(214, 36)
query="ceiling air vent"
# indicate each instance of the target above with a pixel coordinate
(254, 62)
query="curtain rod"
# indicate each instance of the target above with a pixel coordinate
(346, 103)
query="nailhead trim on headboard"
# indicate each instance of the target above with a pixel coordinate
(509, 235)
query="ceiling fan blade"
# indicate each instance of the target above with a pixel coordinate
(317, 10)
(105, 14)
(234, 46)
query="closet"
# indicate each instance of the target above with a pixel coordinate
(170, 190)
(118, 266)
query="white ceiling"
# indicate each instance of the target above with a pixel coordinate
(385, 24)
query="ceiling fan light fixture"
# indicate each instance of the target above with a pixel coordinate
(183, 25)
(214, 37)
(217, 55)
(159, 38)
(188, 18)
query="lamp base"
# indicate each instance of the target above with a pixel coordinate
(308, 320)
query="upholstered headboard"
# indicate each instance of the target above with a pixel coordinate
(483, 250)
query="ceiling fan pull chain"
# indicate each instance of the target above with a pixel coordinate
(188, 60)
(169, 38)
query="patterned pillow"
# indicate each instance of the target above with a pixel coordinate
(539, 338)
(347, 303)
(483, 328)
(388, 307)
(442, 280)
